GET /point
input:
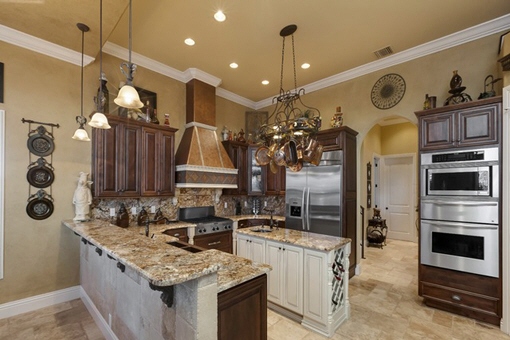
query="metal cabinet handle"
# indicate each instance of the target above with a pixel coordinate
(121, 267)
(177, 234)
(99, 251)
(213, 243)
(456, 298)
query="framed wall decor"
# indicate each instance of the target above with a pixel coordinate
(253, 121)
(369, 185)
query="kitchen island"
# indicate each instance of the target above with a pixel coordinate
(143, 288)
(310, 278)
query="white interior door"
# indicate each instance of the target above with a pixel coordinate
(398, 188)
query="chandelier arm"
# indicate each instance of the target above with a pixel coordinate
(294, 63)
(281, 70)
(100, 105)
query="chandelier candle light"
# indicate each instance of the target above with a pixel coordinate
(289, 134)
(80, 133)
(99, 120)
(128, 96)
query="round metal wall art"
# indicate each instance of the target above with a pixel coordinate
(388, 91)
(40, 145)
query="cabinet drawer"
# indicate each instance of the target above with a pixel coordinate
(220, 241)
(461, 298)
(180, 233)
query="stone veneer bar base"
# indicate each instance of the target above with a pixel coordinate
(134, 311)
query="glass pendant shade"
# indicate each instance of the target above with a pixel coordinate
(81, 135)
(128, 97)
(99, 121)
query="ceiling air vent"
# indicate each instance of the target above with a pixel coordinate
(383, 52)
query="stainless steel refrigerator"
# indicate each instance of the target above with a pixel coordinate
(313, 196)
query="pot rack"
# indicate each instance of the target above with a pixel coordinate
(40, 173)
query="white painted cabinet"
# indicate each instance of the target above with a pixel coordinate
(252, 248)
(285, 281)
(326, 289)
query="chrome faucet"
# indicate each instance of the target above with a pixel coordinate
(149, 221)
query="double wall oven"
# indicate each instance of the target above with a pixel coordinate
(460, 210)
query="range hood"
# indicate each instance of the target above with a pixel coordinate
(201, 160)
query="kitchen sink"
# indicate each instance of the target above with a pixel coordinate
(186, 246)
(261, 230)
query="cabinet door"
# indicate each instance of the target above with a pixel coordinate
(478, 126)
(258, 250)
(275, 183)
(117, 161)
(149, 162)
(238, 155)
(158, 166)
(292, 272)
(315, 297)
(274, 283)
(129, 167)
(166, 185)
(255, 174)
(243, 246)
(105, 155)
(437, 131)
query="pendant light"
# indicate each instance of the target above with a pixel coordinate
(80, 133)
(128, 96)
(99, 120)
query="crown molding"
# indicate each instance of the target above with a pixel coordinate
(24, 40)
(446, 42)
(45, 47)
(220, 92)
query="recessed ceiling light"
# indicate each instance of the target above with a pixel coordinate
(219, 16)
(234, 65)
(189, 42)
(305, 66)
(265, 82)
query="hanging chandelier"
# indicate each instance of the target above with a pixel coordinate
(288, 136)
(99, 120)
(80, 133)
(128, 96)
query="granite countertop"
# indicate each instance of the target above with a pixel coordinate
(299, 238)
(162, 264)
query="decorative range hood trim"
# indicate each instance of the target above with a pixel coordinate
(206, 186)
(188, 167)
(200, 125)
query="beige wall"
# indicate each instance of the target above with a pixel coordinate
(399, 139)
(42, 256)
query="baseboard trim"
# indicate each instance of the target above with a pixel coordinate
(39, 301)
(101, 323)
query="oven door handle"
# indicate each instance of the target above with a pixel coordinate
(461, 225)
(464, 203)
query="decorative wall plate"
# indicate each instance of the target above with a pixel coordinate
(388, 91)
(40, 177)
(40, 208)
(40, 145)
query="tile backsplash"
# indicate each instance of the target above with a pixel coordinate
(189, 197)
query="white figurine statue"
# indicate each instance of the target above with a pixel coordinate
(82, 198)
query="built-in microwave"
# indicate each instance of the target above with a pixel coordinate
(460, 173)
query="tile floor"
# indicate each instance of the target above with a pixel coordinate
(384, 305)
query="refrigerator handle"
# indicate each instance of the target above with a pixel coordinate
(308, 219)
(303, 209)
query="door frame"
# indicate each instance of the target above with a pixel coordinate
(505, 224)
(383, 184)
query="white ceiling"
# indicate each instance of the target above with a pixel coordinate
(334, 36)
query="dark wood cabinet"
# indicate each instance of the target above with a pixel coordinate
(158, 166)
(471, 295)
(242, 311)
(344, 138)
(253, 179)
(275, 183)
(116, 160)
(238, 153)
(221, 241)
(462, 125)
(180, 233)
(133, 159)
(252, 222)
